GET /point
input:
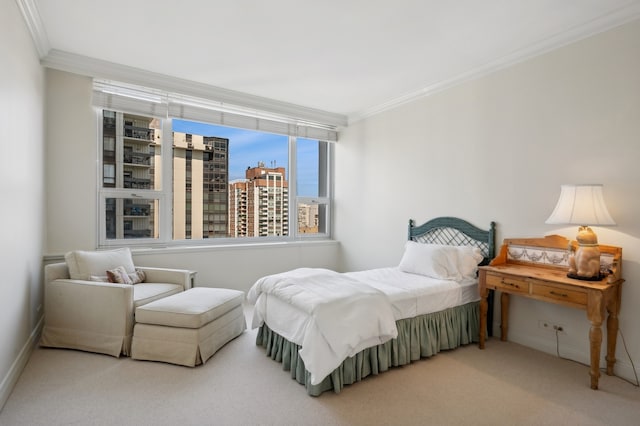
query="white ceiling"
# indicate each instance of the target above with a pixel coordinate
(350, 57)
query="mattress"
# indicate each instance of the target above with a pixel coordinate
(410, 295)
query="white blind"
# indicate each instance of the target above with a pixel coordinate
(156, 103)
(131, 99)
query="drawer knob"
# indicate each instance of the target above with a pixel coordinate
(555, 293)
(510, 284)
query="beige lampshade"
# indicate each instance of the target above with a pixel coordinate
(580, 205)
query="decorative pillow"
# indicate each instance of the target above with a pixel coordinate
(115, 276)
(119, 275)
(431, 260)
(83, 264)
(138, 277)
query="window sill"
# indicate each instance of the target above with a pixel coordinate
(177, 249)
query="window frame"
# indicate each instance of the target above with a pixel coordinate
(324, 180)
(164, 195)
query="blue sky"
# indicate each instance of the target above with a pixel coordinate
(248, 147)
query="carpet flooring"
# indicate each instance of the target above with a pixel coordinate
(505, 384)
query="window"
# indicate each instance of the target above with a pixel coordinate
(175, 180)
(238, 174)
(312, 186)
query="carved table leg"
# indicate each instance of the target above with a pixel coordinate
(483, 317)
(504, 316)
(490, 294)
(595, 313)
(595, 338)
(612, 332)
(613, 307)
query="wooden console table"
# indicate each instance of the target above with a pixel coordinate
(537, 268)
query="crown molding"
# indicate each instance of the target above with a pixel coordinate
(65, 61)
(621, 16)
(97, 68)
(34, 24)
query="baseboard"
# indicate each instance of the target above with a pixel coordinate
(10, 380)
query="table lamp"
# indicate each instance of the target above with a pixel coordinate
(582, 205)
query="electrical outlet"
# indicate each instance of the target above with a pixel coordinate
(548, 325)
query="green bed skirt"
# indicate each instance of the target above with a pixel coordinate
(418, 337)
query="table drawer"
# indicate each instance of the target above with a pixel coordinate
(510, 284)
(558, 293)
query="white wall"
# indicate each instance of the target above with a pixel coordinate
(21, 190)
(72, 199)
(498, 148)
(72, 163)
(239, 267)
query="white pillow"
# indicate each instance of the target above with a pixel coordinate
(431, 260)
(84, 264)
(468, 260)
(440, 261)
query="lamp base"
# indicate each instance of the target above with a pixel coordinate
(598, 277)
(584, 262)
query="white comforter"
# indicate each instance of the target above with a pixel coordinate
(346, 315)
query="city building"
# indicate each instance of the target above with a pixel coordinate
(131, 160)
(307, 218)
(130, 157)
(258, 204)
(200, 178)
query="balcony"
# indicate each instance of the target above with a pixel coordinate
(137, 158)
(137, 183)
(140, 133)
(138, 210)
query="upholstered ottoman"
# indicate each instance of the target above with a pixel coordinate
(189, 327)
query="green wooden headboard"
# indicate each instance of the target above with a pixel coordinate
(453, 231)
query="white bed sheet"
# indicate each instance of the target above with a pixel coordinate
(412, 294)
(409, 294)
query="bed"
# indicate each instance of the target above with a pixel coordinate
(332, 329)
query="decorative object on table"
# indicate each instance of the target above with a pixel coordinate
(582, 205)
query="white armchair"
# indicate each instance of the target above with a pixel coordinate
(83, 312)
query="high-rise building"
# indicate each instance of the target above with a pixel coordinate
(200, 179)
(258, 204)
(307, 218)
(131, 157)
